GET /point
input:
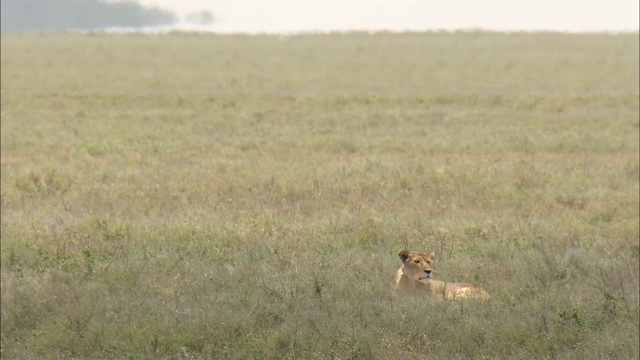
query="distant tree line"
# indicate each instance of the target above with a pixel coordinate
(28, 15)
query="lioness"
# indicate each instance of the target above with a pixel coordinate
(415, 276)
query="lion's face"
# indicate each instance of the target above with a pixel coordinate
(416, 266)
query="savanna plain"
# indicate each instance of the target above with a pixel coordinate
(196, 196)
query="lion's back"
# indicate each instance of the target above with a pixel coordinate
(463, 290)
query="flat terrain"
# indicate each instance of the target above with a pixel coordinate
(188, 196)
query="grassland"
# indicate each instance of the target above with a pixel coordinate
(197, 196)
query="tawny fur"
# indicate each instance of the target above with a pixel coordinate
(414, 276)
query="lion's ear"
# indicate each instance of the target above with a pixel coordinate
(404, 254)
(432, 255)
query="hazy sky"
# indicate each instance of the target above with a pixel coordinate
(301, 15)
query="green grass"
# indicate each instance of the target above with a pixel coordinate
(200, 196)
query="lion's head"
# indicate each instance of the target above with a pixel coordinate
(416, 266)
